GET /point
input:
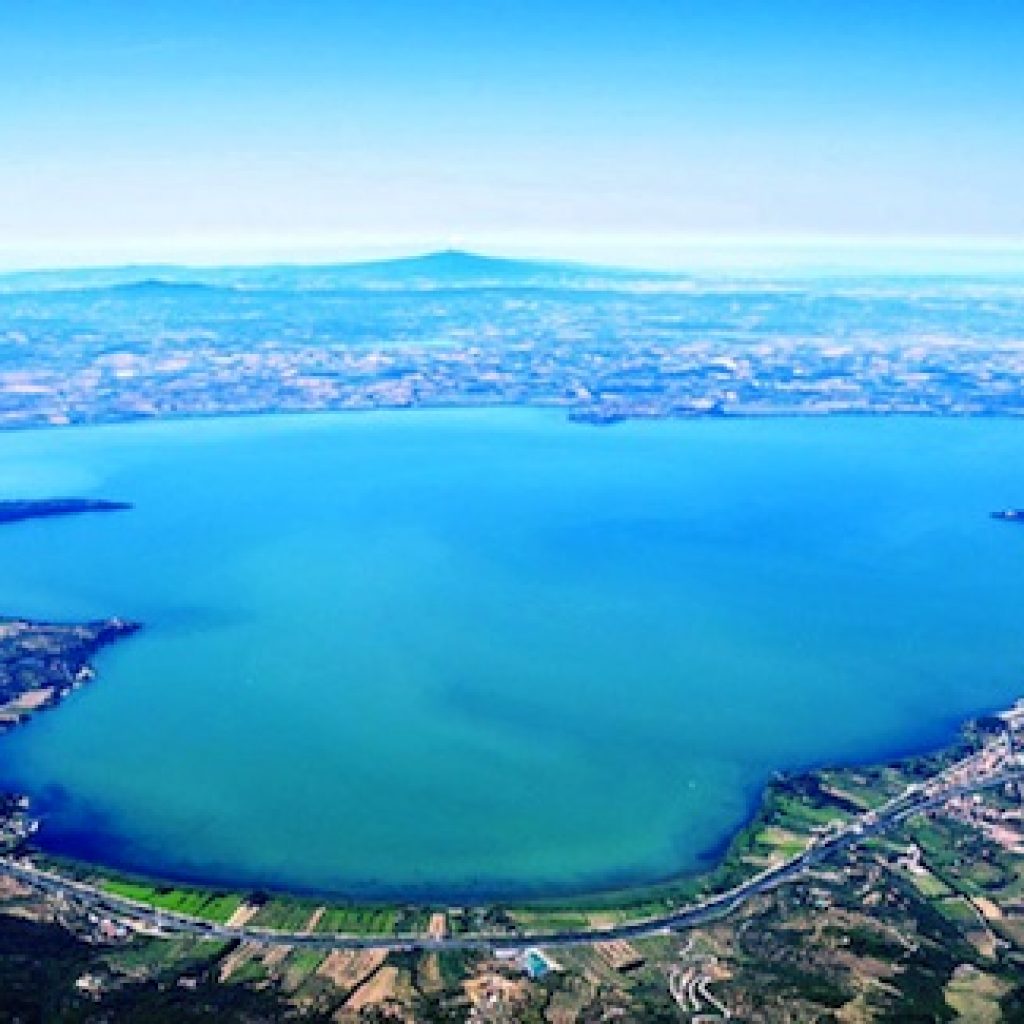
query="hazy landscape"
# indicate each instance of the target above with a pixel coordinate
(458, 329)
(511, 512)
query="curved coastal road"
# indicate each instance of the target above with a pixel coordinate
(910, 802)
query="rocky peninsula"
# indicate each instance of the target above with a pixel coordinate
(42, 662)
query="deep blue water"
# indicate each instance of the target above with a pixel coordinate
(464, 653)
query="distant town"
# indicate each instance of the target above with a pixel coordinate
(633, 380)
(455, 329)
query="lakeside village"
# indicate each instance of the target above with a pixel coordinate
(887, 892)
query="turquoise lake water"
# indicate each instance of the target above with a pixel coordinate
(468, 653)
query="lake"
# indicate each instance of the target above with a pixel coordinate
(471, 653)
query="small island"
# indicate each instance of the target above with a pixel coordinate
(14, 511)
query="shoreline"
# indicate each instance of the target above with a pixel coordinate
(668, 886)
(572, 414)
(982, 756)
(584, 896)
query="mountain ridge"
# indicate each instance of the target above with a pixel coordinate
(443, 267)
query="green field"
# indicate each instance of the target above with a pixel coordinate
(359, 920)
(537, 919)
(212, 906)
(285, 915)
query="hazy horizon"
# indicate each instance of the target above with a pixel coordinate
(690, 257)
(202, 133)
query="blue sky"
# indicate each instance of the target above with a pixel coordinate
(245, 129)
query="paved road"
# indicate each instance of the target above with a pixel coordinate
(711, 909)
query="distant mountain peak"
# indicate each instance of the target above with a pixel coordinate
(458, 255)
(457, 259)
